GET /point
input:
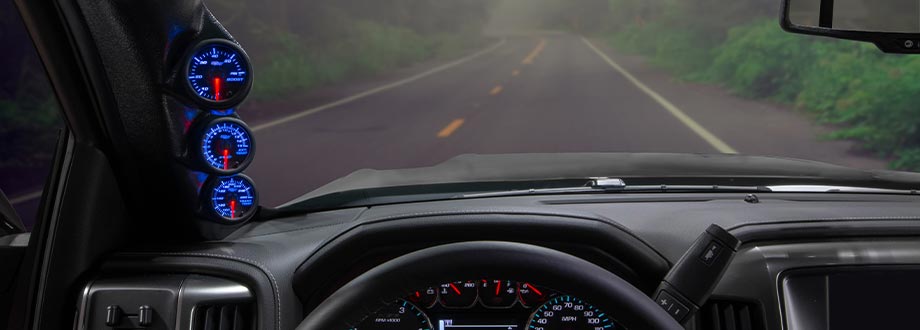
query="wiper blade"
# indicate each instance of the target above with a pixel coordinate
(610, 185)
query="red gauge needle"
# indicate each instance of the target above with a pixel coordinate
(226, 158)
(534, 289)
(233, 209)
(498, 287)
(216, 89)
(418, 294)
(452, 286)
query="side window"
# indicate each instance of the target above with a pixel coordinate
(29, 117)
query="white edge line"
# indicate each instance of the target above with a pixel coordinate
(307, 112)
(712, 139)
(25, 198)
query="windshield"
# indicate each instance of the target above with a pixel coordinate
(346, 85)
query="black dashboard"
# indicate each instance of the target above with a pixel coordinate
(292, 265)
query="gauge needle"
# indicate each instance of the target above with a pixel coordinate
(226, 158)
(216, 89)
(498, 287)
(232, 208)
(534, 289)
(452, 286)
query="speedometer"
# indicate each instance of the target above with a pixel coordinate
(569, 313)
(400, 315)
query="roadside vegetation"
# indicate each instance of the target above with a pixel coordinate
(866, 95)
(299, 45)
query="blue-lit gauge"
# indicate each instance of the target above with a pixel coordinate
(569, 313)
(232, 199)
(225, 145)
(218, 73)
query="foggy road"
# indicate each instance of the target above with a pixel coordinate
(540, 93)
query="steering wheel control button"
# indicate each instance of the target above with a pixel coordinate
(692, 279)
(711, 253)
(670, 304)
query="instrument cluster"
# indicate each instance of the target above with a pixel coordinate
(488, 304)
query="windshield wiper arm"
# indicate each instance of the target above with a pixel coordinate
(609, 185)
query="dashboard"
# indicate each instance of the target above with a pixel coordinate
(488, 304)
(293, 265)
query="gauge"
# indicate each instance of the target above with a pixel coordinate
(218, 74)
(233, 198)
(569, 313)
(401, 315)
(424, 298)
(532, 295)
(225, 146)
(458, 294)
(498, 293)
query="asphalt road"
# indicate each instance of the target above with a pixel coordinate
(538, 93)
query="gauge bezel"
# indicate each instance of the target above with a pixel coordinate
(195, 147)
(207, 190)
(211, 104)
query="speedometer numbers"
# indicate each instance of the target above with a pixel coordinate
(569, 313)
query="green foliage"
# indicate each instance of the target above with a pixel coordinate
(368, 48)
(870, 96)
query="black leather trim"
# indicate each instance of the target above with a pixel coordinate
(395, 278)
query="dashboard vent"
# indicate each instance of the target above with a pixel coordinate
(224, 317)
(730, 315)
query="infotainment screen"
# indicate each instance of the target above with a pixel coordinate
(844, 298)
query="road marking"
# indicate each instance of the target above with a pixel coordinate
(307, 112)
(26, 197)
(450, 128)
(536, 52)
(515, 73)
(713, 140)
(496, 90)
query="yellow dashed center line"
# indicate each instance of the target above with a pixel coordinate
(536, 52)
(496, 90)
(450, 128)
(515, 73)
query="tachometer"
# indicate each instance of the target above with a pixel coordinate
(218, 73)
(226, 146)
(400, 315)
(232, 199)
(569, 313)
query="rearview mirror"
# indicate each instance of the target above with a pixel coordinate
(893, 25)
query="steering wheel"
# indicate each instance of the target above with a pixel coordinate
(487, 259)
